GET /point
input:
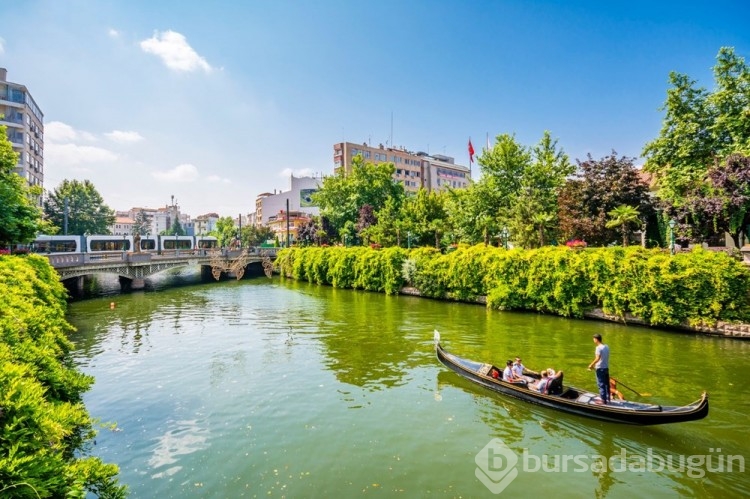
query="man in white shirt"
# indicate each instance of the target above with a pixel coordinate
(601, 363)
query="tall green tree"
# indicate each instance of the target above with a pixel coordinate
(225, 231)
(255, 236)
(342, 195)
(20, 220)
(176, 229)
(142, 223)
(519, 184)
(700, 128)
(87, 212)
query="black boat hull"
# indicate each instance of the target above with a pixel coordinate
(574, 400)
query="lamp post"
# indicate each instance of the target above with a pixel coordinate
(124, 245)
(408, 240)
(345, 240)
(672, 223)
(505, 234)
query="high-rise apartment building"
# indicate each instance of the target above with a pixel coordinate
(25, 123)
(413, 169)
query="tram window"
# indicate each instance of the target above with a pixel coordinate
(67, 246)
(110, 245)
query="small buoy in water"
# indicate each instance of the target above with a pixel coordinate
(111, 304)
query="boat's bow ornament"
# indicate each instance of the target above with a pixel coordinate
(437, 337)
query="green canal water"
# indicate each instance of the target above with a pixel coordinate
(272, 388)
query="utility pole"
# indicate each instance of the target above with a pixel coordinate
(288, 236)
(65, 218)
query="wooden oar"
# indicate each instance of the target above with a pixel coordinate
(626, 386)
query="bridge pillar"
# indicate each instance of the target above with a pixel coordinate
(138, 284)
(79, 285)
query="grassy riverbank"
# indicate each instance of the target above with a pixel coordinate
(697, 288)
(44, 426)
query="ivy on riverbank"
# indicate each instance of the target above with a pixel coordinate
(44, 426)
(699, 288)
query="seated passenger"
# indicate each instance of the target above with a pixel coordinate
(542, 384)
(494, 373)
(509, 375)
(555, 383)
(518, 367)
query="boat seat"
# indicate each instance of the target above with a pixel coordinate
(556, 385)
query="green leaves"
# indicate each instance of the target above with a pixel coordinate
(44, 425)
(19, 218)
(700, 287)
(87, 212)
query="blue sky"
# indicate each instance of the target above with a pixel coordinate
(216, 102)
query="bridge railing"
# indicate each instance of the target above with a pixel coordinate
(76, 259)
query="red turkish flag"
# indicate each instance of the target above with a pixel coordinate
(471, 152)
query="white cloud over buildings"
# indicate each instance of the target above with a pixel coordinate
(175, 52)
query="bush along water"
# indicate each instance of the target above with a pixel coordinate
(697, 288)
(45, 430)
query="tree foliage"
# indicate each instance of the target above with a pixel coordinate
(44, 426)
(255, 236)
(623, 216)
(519, 189)
(19, 218)
(87, 212)
(599, 187)
(142, 223)
(700, 128)
(225, 231)
(342, 195)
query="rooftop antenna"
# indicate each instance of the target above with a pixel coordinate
(391, 138)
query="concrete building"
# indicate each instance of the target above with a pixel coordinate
(279, 225)
(413, 169)
(205, 223)
(25, 123)
(123, 226)
(300, 200)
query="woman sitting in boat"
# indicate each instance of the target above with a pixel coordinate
(541, 385)
(510, 376)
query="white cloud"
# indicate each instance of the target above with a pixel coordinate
(173, 49)
(124, 137)
(2, 46)
(57, 131)
(300, 172)
(216, 179)
(113, 33)
(61, 155)
(180, 173)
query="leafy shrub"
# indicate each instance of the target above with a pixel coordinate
(44, 426)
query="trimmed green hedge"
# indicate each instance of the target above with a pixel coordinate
(699, 287)
(44, 425)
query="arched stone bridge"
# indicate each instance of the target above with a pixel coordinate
(133, 268)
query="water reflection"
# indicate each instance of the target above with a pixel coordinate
(289, 377)
(183, 437)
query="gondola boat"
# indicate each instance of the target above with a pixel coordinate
(571, 399)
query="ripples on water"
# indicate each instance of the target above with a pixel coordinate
(258, 387)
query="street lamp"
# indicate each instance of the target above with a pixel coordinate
(408, 240)
(345, 240)
(672, 223)
(506, 235)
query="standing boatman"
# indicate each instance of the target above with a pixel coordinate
(601, 363)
